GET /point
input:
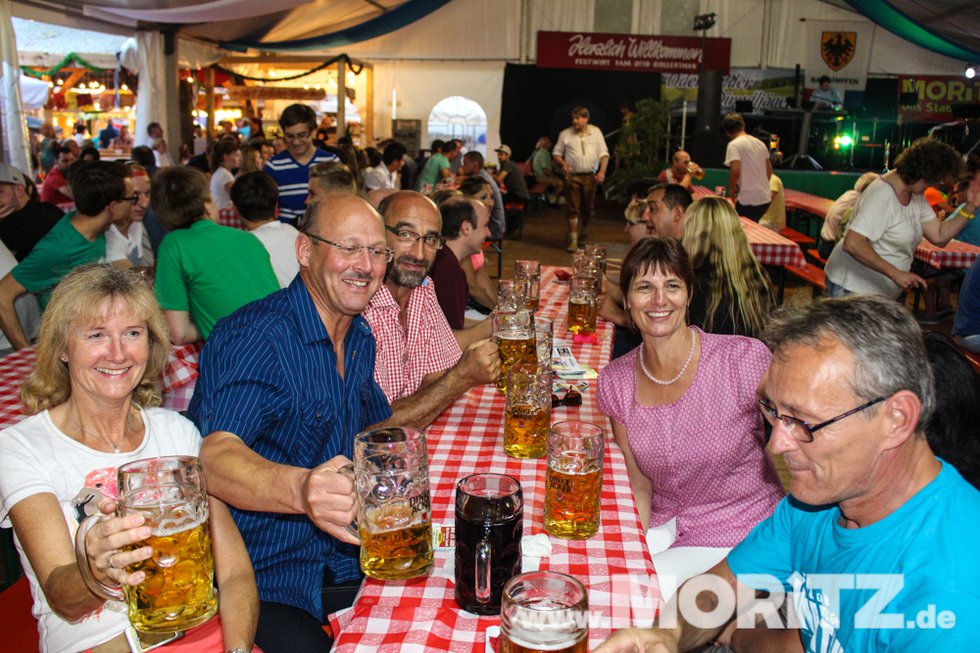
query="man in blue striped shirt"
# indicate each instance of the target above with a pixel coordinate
(285, 384)
(291, 167)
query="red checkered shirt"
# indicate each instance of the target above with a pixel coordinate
(403, 359)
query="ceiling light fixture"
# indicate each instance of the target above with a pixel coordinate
(970, 72)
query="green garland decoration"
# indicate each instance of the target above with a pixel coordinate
(356, 69)
(71, 60)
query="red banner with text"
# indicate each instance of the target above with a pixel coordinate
(632, 52)
(936, 96)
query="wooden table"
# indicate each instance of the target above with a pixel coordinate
(956, 254)
(615, 565)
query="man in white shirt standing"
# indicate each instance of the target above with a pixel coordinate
(256, 198)
(582, 155)
(385, 174)
(748, 159)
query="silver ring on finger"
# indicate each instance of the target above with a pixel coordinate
(111, 562)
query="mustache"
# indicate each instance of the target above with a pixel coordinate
(408, 258)
(358, 276)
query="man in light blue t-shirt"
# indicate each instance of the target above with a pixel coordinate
(875, 548)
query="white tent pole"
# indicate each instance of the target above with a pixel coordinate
(13, 122)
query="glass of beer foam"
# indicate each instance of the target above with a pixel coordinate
(530, 271)
(573, 481)
(527, 417)
(178, 591)
(544, 611)
(489, 526)
(394, 522)
(514, 333)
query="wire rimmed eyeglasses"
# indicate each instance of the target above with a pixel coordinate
(353, 251)
(799, 429)
(432, 241)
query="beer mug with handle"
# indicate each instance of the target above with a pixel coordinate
(573, 482)
(391, 477)
(489, 526)
(544, 611)
(178, 591)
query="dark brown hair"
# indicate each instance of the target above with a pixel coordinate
(656, 253)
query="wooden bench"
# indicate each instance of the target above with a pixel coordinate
(811, 274)
(800, 239)
(970, 356)
(815, 256)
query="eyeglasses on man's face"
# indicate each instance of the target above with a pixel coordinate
(377, 254)
(407, 237)
(798, 428)
(301, 136)
(132, 199)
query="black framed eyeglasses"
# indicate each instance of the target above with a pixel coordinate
(302, 136)
(799, 429)
(353, 251)
(132, 199)
(432, 241)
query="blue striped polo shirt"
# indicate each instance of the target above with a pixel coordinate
(269, 375)
(293, 179)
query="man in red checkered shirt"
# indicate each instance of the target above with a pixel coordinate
(418, 361)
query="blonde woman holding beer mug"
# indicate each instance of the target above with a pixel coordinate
(683, 410)
(92, 398)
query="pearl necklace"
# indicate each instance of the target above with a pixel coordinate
(690, 356)
(99, 436)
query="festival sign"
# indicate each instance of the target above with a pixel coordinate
(839, 49)
(297, 94)
(936, 96)
(766, 88)
(632, 52)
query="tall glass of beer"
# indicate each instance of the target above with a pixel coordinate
(178, 591)
(544, 611)
(514, 333)
(573, 482)
(530, 271)
(527, 418)
(511, 294)
(391, 476)
(489, 525)
(544, 340)
(583, 304)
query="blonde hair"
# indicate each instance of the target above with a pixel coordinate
(719, 251)
(251, 161)
(80, 299)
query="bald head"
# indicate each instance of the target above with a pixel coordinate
(404, 202)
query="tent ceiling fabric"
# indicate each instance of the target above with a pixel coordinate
(957, 22)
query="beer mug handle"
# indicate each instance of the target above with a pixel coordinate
(98, 588)
(482, 564)
(348, 471)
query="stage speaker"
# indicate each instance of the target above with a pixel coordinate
(910, 99)
(708, 140)
(881, 99)
(970, 110)
(743, 106)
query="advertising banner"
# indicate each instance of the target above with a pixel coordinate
(632, 52)
(766, 89)
(936, 96)
(840, 50)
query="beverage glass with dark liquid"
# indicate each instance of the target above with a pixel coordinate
(527, 418)
(178, 591)
(489, 525)
(544, 611)
(530, 271)
(573, 482)
(514, 333)
(391, 477)
(582, 305)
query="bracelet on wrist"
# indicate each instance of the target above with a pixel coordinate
(961, 209)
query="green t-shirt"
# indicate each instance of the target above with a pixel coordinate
(541, 162)
(60, 251)
(211, 271)
(432, 171)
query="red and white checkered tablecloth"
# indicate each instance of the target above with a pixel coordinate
(770, 247)
(422, 615)
(179, 373)
(955, 254)
(229, 218)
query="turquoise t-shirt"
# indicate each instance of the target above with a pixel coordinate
(211, 271)
(910, 582)
(432, 171)
(60, 251)
(970, 233)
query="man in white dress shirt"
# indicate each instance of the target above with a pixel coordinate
(256, 198)
(385, 174)
(582, 155)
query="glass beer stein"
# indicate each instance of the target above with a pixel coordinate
(514, 333)
(527, 418)
(573, 482)
(544, 611)
(530, 272)
(583, 305)
(391, 477)
(178, 591)
(489, 525)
